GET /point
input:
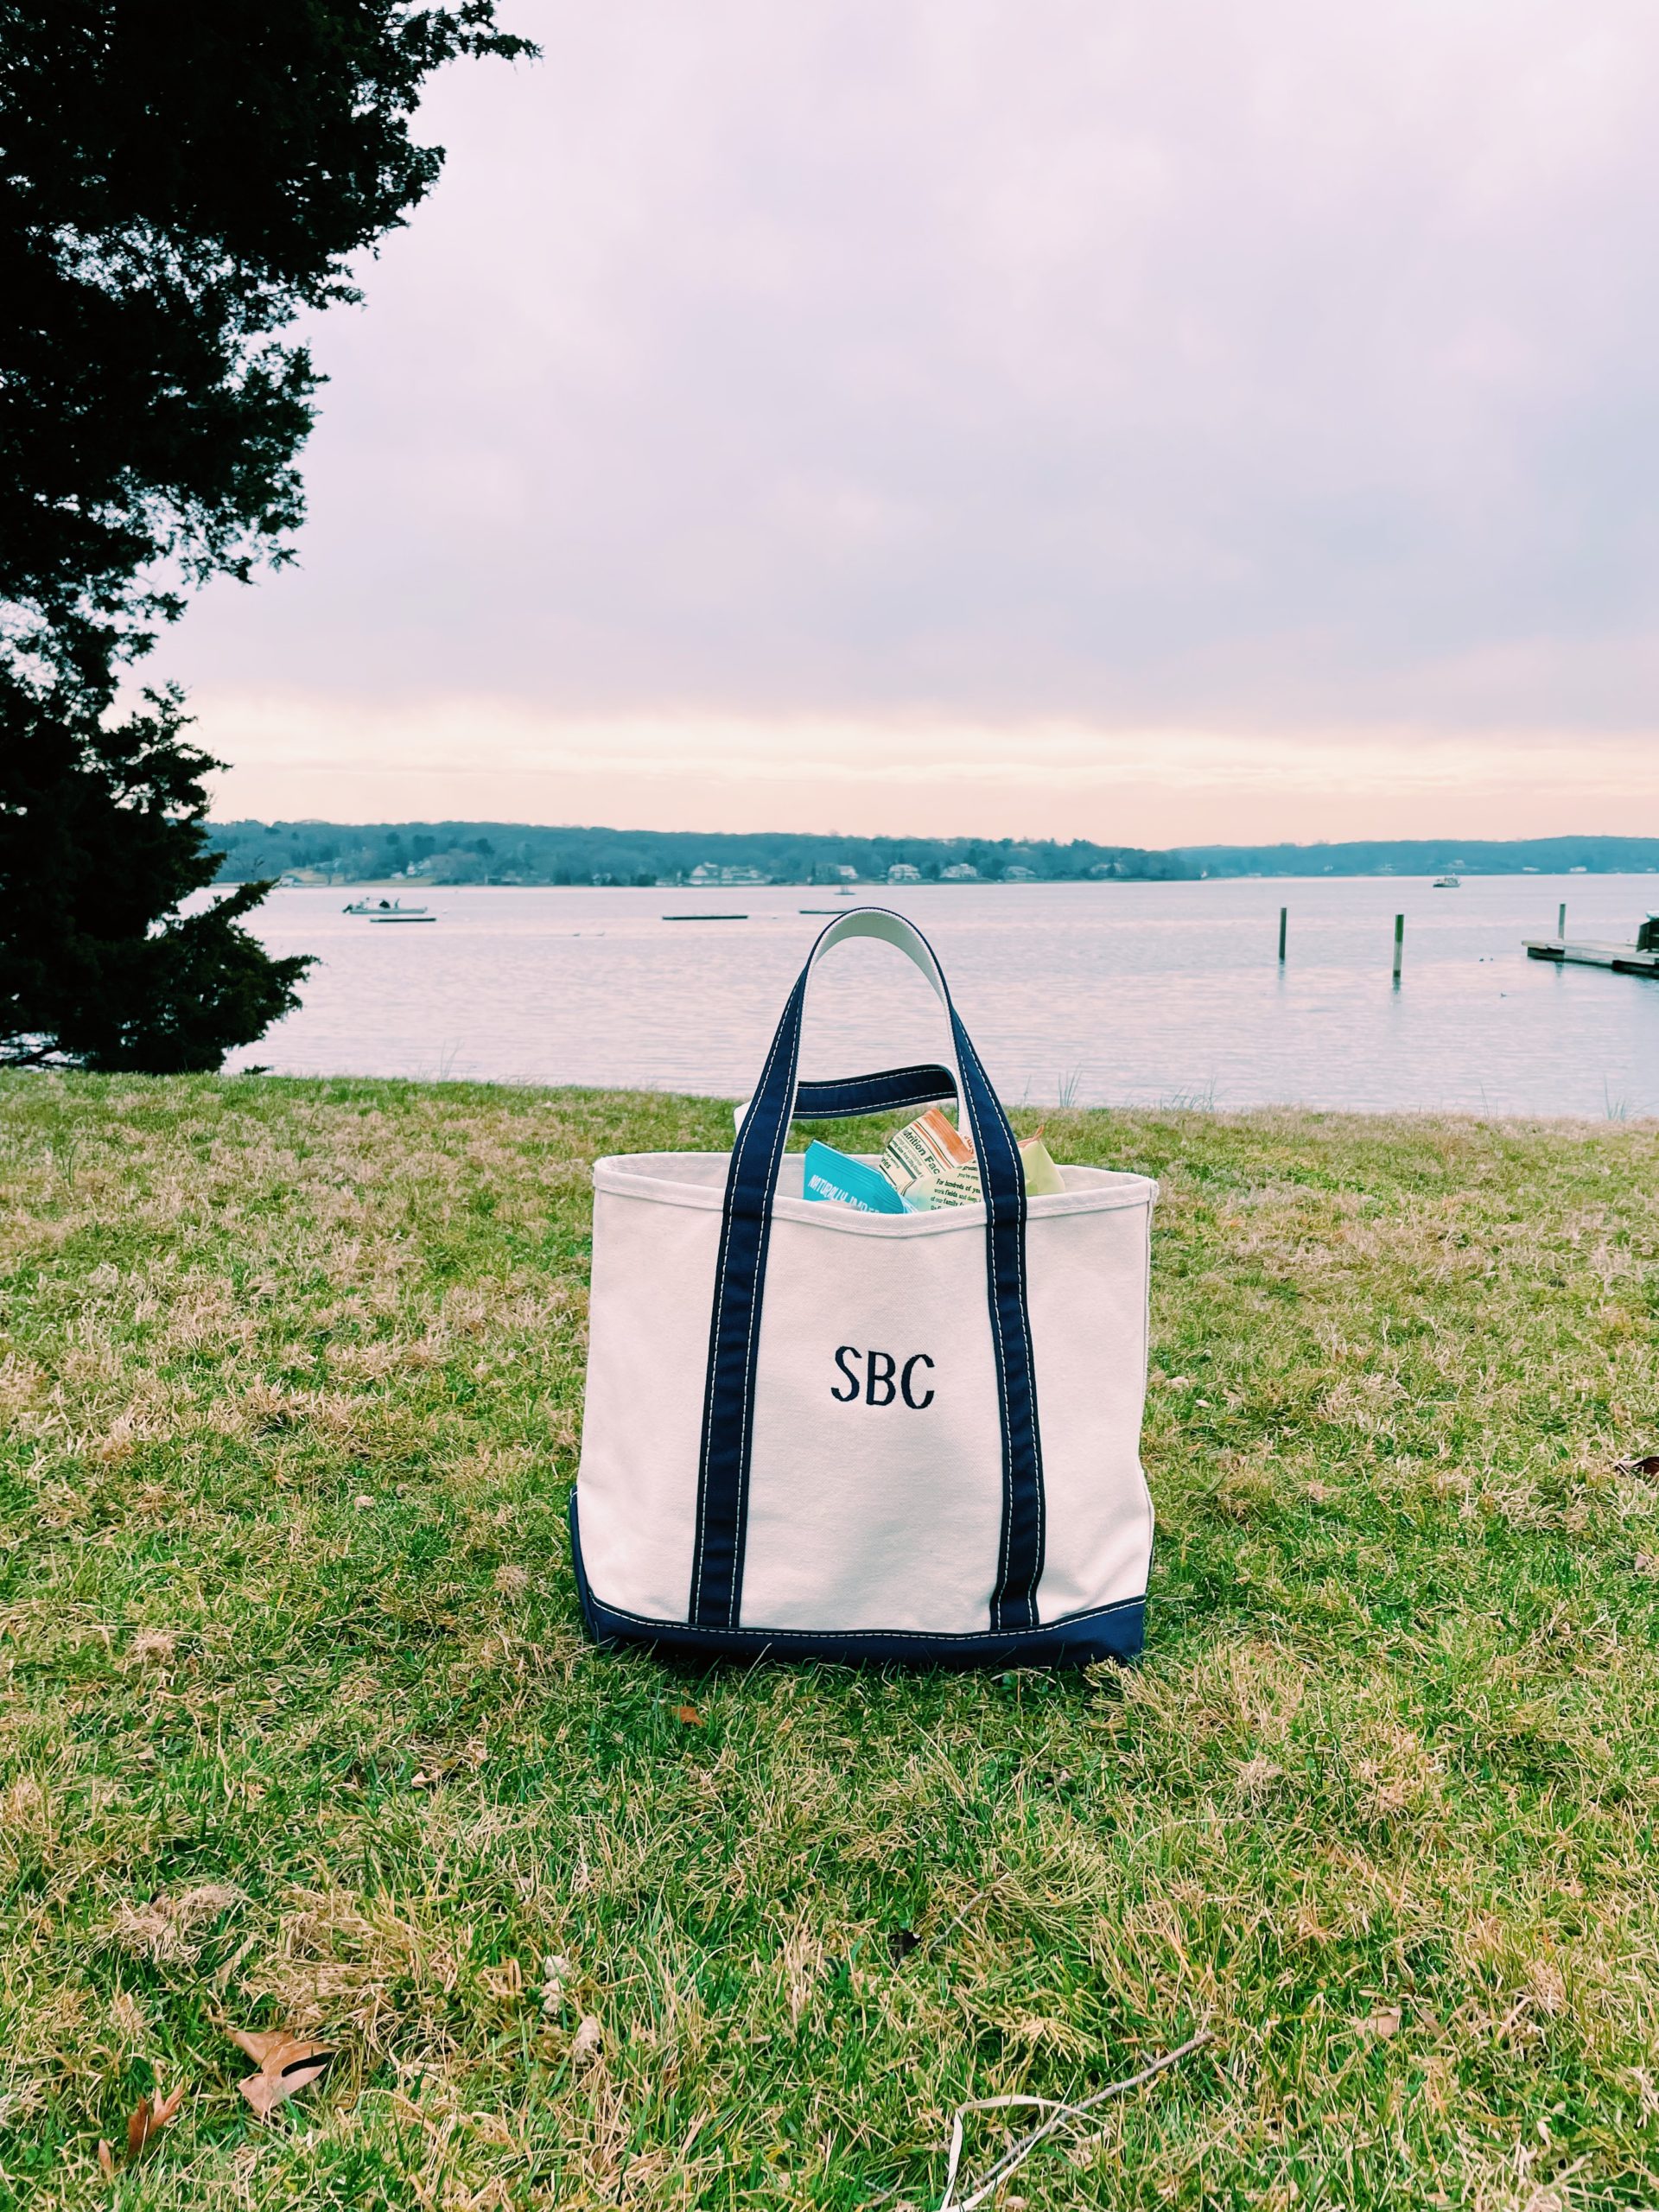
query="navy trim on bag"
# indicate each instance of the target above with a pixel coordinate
(884, 1092)
(1109, 1632)
(740, 1288)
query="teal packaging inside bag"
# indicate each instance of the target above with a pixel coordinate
(827, 1173)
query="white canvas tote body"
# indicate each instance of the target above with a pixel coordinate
(818, 1433)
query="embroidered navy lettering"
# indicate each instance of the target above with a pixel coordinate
(917, 1359)
(878, 1388)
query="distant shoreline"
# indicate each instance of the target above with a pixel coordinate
(401, 855)
(405, 886)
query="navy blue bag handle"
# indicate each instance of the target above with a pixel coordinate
(887, 1091)
(740, 1289)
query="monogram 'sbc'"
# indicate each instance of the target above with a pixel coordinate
(881, 1378)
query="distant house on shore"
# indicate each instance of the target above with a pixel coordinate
(708, 874)
(902, 871)
(1018, 875)
(959, 872)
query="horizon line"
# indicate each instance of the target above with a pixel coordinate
(419, 824)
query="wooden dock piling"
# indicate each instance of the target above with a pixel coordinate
(1284, 923)
(1399, 947)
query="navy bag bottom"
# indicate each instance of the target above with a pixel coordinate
(1112, 1632)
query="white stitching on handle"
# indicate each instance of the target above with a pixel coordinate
(852, 1081)
(747, 1439)
(971, 1053)
(714, 1364)
(959, 1036)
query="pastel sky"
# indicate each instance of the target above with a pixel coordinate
(1153, 423)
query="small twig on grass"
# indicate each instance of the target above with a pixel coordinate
(1017, 2153)
(951, 1926)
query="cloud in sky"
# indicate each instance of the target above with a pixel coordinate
(935, 415)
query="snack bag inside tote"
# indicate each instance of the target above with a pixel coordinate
(928, 1145)
(931, 1163)
(959, 1186)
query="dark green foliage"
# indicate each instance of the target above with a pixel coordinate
(177, 182)
(1434, 856)
(518, 852)
(102, 836)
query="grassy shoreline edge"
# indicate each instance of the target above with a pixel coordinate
(300, 1728)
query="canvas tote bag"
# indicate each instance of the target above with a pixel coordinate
(817, 1433)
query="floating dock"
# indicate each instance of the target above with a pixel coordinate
(1623, 959)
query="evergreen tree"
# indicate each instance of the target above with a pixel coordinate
(103, 837)
(178, 179)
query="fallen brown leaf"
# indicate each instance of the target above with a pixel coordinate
(585, 2043)
(149, 2120)
(689, 1714)
(106, 2159)
(1385, 2021)
(286, 2065)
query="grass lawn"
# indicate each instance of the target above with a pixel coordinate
(301, 1731)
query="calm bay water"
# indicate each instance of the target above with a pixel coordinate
(1099, 993)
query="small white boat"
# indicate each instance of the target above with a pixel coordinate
(1446, 883)
(388, 910)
